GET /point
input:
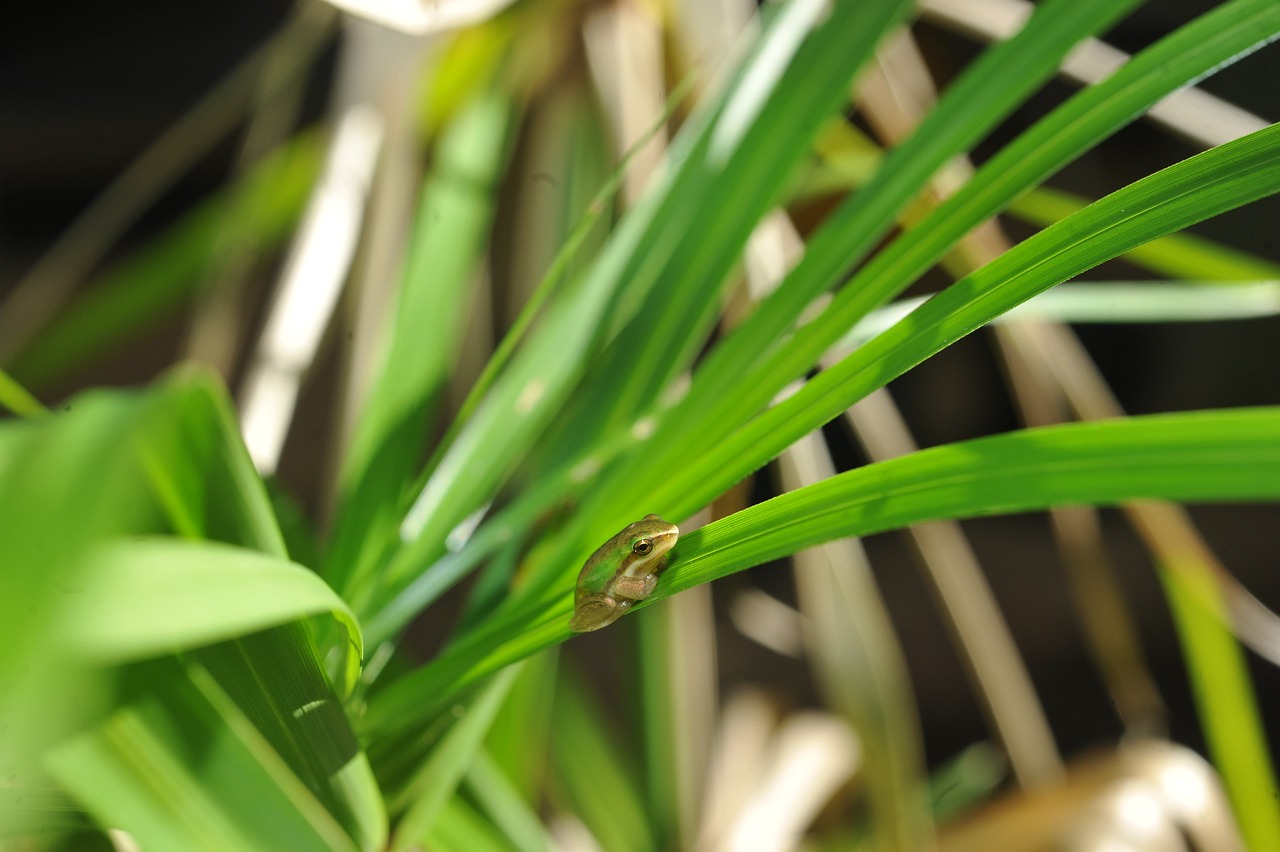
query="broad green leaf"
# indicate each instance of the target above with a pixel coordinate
(149, 598)
(169, 459)
(179, 767)
(200, 468)
(275, 678)
(64, 483)
(1201, 456)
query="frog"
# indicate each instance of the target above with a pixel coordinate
(621, 572)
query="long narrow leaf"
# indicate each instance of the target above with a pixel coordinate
(526, 398)
(1174, 198)
(179, 767)
(717, 401)
(1203, 456)
(451, 229)
(1224, 696)
(439, 776)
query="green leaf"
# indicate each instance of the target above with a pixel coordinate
(1223, 693)
(533, 389)
(17, 399)
(438, 778)
(595, 776)
(201, 470)
(726, 393)
(1185, 193)
(460, 828)
(988, 90)
(1201, 456)
(1177, 255)
(504, 806)
(798, 78)
(179, 767)
(148, 598)
(520, 739)
(168, 459)
(451, 229)
(1107, 302)
(1197, 456)
(64, 483)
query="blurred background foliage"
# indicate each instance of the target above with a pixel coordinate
(409, 306)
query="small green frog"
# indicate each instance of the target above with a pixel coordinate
(622, 571)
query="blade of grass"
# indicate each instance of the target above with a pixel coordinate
(451, 228)
(766, 125)
(1105, 302)
(18, 399)
(1224, 696)
(722, 395)
(1181, 195)
(1193, 456)
(532, 390)
(1176, 256)
(504, 805)
(438, 778)
(179, 767)
(594, 777)
(1199, 456)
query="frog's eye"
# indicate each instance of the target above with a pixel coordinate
(642, 547)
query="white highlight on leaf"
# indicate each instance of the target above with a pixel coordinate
(781, 43)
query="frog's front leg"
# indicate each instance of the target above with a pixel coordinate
(635, 588)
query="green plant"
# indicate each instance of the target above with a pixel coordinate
(212, 693)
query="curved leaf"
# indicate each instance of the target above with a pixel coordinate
(1183, 194)
(147, 598)
(1201, 456)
